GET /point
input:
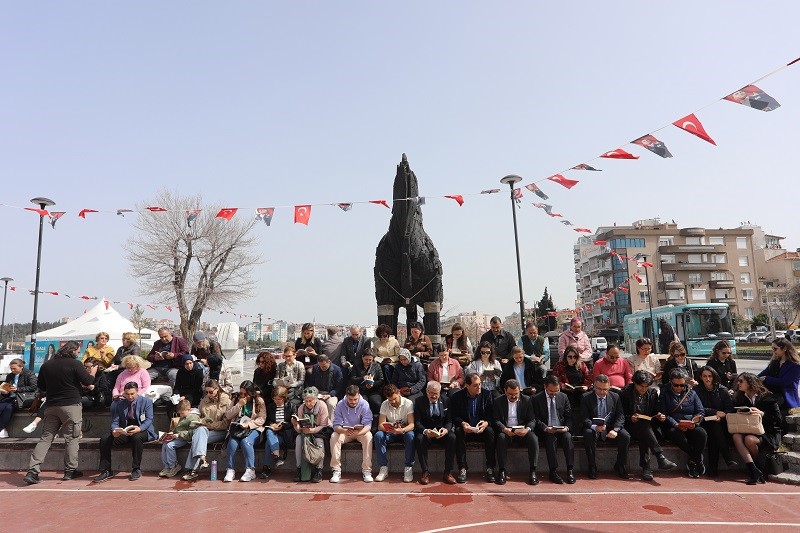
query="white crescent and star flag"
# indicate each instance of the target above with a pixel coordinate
(752, 96)
(654, 145)
(561, 180)
(265, 214)
(619, 153)
(692, 124)
(302, 214)
(490, 191)
(227, 212)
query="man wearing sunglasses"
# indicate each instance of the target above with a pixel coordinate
(684, 412)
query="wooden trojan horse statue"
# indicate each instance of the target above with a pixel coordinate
(408, 272)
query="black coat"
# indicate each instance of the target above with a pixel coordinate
(715, 400)
(27, 380)
(526, 415)
(423, 419)
(648, 404)
(459, 407)
(533, 376)
(563, 409)
(771, 419)
(615, 417)
(189, 384)
(691, 366)
(411, 376)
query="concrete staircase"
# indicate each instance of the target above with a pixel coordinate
(792, 457)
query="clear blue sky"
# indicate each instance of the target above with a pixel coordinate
(254, 104)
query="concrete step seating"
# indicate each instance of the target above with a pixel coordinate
(791, 458)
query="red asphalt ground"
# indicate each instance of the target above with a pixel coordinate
(607, 504)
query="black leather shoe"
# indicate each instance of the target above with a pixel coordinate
(297, 476)
(136, 473)
(501, 477)
(570, 477)
(555, 478)
(462, 475)
(71, 474)
(266, 472)
(317, 477)
(647, 475)
(490, 475)
(532, 479)
(664, 463)
(31, 478)
(592, 472)
(104, 476)
(621, 471)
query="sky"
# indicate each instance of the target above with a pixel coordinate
(259, 104)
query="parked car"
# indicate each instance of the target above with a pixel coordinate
(759, 336)
(742, 336)
(599, 344)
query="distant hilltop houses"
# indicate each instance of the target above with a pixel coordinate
(743, 267)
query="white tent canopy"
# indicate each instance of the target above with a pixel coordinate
(101, 317)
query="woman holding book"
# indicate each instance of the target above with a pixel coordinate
(644, 359)
(214, 428)
(487, 367)
(247, 412)
(459, 345)
(721, 360)
(751, 393)
(678, 359)
(136, 371)
(277, 431)
(310, 422)
(418, 343)
(573, 375)
(684, 412)
(717, 403)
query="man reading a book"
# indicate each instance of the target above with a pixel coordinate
(473, 420)
(604, 418)
(395, 424)
(131, 424)
(352, 420)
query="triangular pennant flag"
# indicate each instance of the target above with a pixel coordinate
(227, 213)
(600, 242)
(83, 212)
(537, 191)
(619, 153)
(121, 212)
(106, 304)
(752, 96)
(555, 214)
(490, 191)
(692, 124)
(566, 222)
(457, 197)
(345, 207)
(547, 208)
(191, 215)
(582, 230)
(647, 264)
(54, 293)
(624, 289)
(265, 214)
(302, 214)
(637, 277)
(130, 306)
(654, 145)
(156, 209)
(42, 212)
(54, 216)
(584, 166)
(380, 202)
(540, 206)
(418, 200)
(517, 194)
(561, 180)
(153, 307)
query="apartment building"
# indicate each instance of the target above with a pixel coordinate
(692, 265)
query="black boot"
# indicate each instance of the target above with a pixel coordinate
(297, 476)
(756, 475)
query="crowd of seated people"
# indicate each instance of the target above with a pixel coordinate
(318, 403)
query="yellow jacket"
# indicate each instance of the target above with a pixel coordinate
(105, 356)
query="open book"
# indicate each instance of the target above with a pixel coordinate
(304, 422)
(6, 386)
(437, 431)
(128, 429)
(388, 427)
(357, 427)
(165, 436)
(711, 418)
(282, 382)
(641, 416)
(558, 427)
(686, 424)
(599, 421)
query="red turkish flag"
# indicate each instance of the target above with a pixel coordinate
(582, 230)
(302, 213)
(156, 209)
(637, 277)
(619, 153)
(555, 214)
(600, 242)
(42, 212)
(227, 213)
(647, 264)
(106, 304)
(380, 202)
(624, 289)
(83, 212)
(457, 197)
(561, 180)
(692, 124)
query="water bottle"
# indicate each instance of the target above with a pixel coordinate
(213, 470)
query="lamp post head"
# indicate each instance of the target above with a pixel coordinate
(6, 279)
(511, 179)
(43, 202)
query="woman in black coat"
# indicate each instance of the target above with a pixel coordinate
(752, 393)
(722, 361)
(189, 380)
(678, 359)
(717, 404)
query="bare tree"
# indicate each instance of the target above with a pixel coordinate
(139, 321)
(794, 299)
(784, 304)
(198, 264)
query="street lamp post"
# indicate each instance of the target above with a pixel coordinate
(42, 203)
(511, 179)
(3, 323)
(650, 303)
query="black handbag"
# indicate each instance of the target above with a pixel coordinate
(24, 399)
(238, 431)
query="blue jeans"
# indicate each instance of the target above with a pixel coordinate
(246, 444)
(168, 454)
(383, 439)
(200, 441)
(274, 443)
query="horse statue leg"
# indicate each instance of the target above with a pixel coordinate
(431, 321)
(387, 314)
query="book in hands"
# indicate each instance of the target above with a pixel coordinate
(304, 422)
(514, 428)
(166, 436)
(437, 431)
(711, 418)
(567, 386)
(688, 424)
(641, 416)
(357, 427)
(388, 426)
(599, 421)
(128, 429)
(558, 428)
(6, 386)
(281, 382)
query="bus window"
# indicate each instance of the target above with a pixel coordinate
(704, 323)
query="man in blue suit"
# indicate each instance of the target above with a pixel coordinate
(133, 413)
(603, 420)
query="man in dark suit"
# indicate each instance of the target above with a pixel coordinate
(514, 418)
(553, 418)
(602, 403)
(432, 424)
(352, 347)
(501, 339)
(473, 415)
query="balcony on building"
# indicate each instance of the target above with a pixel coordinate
(721, 284)
(730, 301)
(692, 249)
(691, 267)
(692, 232)
(671, 301)
(664, 285)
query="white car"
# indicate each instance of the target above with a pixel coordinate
(599, 344)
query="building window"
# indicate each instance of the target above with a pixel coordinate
(696, 258)
(670, 276)
(668, 258)
(721, 293)
(744, 261)
(626, 243)
(695, 278)
(718, 259)
(719, 276)
(747, 295)
(741, 243)
(676, 294)
(749, 313)
(744, 277)
(795, 265)
(644, 297)
(716, 241)
(665, 241)
(695, 240)
(699, 295)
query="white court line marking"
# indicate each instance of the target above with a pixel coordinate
(610, 522)
(415, 494)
